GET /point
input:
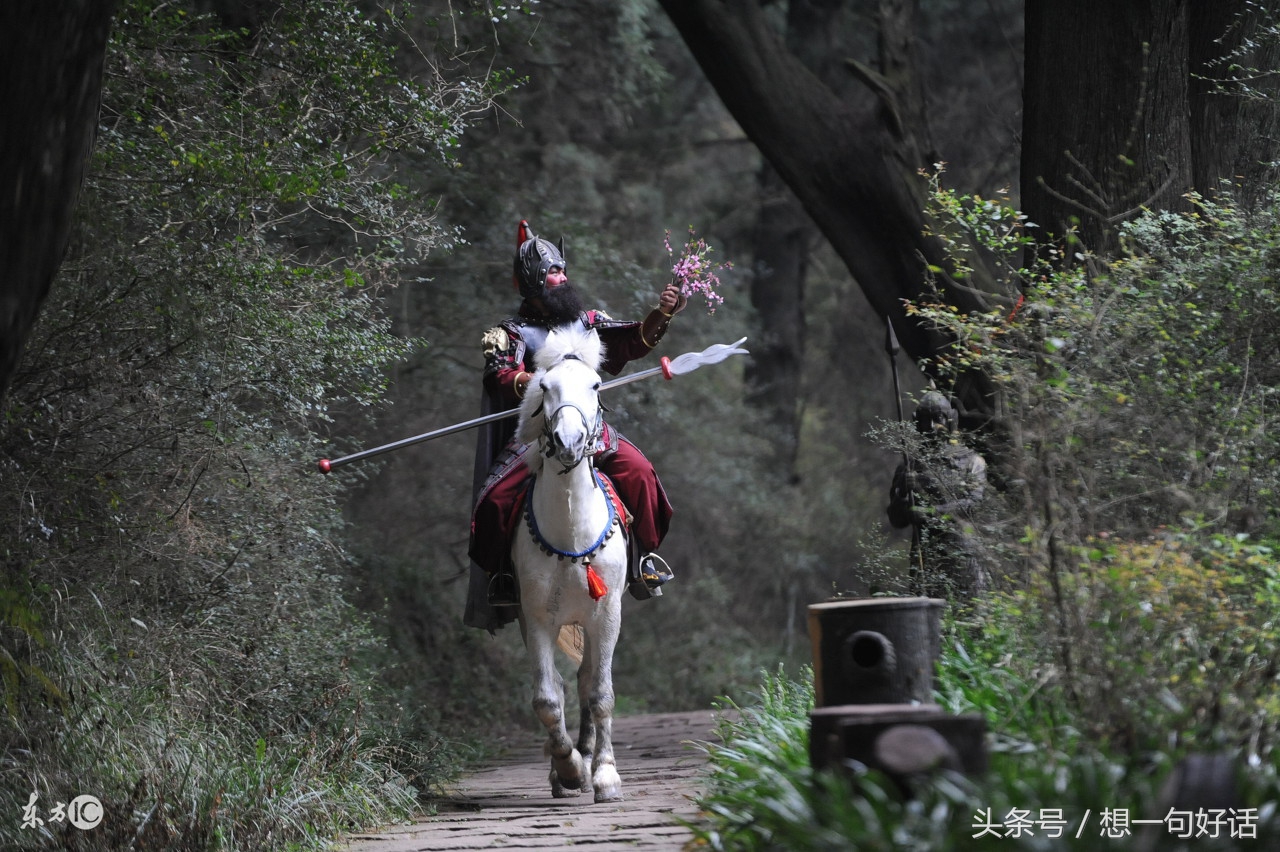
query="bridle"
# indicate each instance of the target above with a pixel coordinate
(594, 429)
(595, 586)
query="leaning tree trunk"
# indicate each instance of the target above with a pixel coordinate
(853, 163)
(50, 84)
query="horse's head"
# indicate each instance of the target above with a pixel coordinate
(561, 409)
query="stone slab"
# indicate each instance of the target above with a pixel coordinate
(507, 804)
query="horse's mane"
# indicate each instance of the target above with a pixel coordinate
(567, 341)
(573, 339)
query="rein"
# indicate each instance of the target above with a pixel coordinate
(593, 434)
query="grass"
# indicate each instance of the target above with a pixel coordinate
(176, 771)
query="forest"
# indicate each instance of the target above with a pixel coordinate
(239, 236)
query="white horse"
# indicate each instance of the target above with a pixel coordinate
(571, 560)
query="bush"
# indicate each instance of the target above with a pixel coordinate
(1138, 465)
(1133, 543)
(176, 632)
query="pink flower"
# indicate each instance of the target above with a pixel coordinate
(694, 272)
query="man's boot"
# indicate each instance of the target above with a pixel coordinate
(655, 572)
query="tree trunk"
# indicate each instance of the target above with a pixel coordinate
(1113, 122)
(1105, 127)
(1234, 134)
(783, 241)
(52, 80)
(853, 163)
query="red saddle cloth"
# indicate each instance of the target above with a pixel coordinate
(624, 517)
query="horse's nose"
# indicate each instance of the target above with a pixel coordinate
(569, 446)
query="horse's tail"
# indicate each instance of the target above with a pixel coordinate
(571, 640)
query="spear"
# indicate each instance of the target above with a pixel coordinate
(682, 364)
(891, 347)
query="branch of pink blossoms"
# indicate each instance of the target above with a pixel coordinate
(694, 272)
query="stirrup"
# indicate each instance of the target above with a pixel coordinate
(503, 591)
(655, 572)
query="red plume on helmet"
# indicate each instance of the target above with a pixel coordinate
(522, 234)
(534, 259)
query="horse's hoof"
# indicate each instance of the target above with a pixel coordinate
(569, 775)
(560, 790)
(607, 784)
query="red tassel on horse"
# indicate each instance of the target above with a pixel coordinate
(595, 586)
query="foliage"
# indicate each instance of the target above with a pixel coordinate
(1136, 618)
(1139, 459)
(172, 572)
(1046, 779)
(1167, 648)
(758, 786)
(1156, 361)
(1254, 32)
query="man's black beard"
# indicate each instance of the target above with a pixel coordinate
(562, 304)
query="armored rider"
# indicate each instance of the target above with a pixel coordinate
(936, 492)
(549, 300)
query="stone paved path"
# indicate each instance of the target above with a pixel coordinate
(508, 804)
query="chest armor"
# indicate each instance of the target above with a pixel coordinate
(534, 336)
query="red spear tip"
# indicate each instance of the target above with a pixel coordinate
(324, 465)
(666, 368)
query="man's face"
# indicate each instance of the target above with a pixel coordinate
(933, 423)
(559, 300)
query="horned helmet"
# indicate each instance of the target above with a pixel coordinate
(534, 259)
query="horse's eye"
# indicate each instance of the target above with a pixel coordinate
(596, 387)
(542, 386)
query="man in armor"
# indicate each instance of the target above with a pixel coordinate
(936, 492)
(549, 300)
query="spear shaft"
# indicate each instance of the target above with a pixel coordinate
(685, 363)
(891, 347)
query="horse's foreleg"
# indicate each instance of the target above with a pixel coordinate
(568, 773)
(586, 721)
(599, 701)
